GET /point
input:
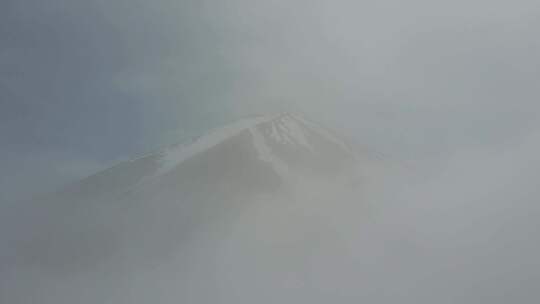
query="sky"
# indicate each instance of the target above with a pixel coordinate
(84, 84)
(448, 89)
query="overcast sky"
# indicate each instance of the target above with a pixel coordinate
(452, 87)
(84, 84)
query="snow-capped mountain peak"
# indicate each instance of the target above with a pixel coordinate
(283, 130)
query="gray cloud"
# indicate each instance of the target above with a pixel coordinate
(450, 87)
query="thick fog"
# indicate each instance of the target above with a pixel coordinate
(441, 97)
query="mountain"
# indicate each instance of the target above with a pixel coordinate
(258, 152)
(153, 207)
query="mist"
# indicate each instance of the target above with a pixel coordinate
(439, 99)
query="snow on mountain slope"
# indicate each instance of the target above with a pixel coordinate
(284, 129)
(176, 154)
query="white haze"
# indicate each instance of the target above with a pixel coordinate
(446, 92)
(459, 229)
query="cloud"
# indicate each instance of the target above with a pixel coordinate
(448, 87)
(41, 172)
